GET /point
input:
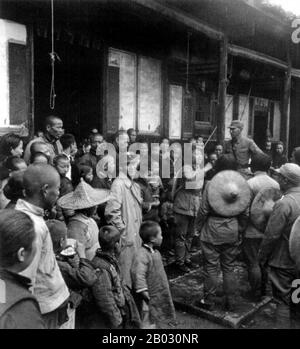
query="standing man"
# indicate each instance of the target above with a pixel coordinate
(69, 146)
(41, 185)
(91, 159)
(53, 132)
(274, 250)
(242, 148)
(260, 165)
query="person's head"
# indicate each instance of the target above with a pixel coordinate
(38, 134)
(94, 131)
(68, 143)
(41, 185)
(192, 140)
(288, 176)
(121, 139)
(226, 162)
(17, 240)
(14, 189)
(212, 158)
(96, 139)
(58, 231)
(268, 145)
(39, 159)
(260, 162)
(279, 148)
(132, 135)
(109, 239)
(86, 146)
(54, 127)
(219, 150)
(86, 172)
(133, 166)
(150, 233)
(109, 164)
(11, 145)
(40, 147)
(14, 163)
(295, 158)
(236, 128)
(62, 164)
(199, 140)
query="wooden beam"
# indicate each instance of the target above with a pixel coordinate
(222, 90)
(256, 56)
(180, 17)
(285, 114)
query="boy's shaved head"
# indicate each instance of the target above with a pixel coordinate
(44, 181)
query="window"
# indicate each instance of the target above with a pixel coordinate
(133, 93)
(175, 112)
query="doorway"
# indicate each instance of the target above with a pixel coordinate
(78, 86)
(260, 127)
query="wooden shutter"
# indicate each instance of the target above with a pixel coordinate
(19, 84)
(113, 99)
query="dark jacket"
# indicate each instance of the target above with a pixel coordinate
(108, 292)
(186, 201)
(275, 245)
(77, 278)
(21, 309)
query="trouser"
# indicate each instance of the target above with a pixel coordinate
(257, 275)
(223, 255)
(281, 281)
(184, 232)
(57, 317)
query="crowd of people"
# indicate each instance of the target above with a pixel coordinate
(81, 229)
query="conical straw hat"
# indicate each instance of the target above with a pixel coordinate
(228, 193)
(84, 196)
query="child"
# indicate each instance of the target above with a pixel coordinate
(111, 298)
(14, 189)
(19, 309)
(77, 272)
(62, 164)
(149, 277)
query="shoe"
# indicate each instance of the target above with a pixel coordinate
(191, 264)
(182, 268)
(204, 304)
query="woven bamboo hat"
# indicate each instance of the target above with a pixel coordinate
(228, 193)
(84, 196)
(262, 206)
(294, 243)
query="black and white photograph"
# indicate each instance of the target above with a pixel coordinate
(150, 167)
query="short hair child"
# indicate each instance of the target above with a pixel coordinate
(149, 230)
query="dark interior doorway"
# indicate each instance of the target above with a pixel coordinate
(260, 127)
(78, 81)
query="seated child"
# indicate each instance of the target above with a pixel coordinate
(19, 309)
(77, 272)
(111, 298)
(149, 277)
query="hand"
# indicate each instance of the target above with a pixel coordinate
(80, 249)
(145, 296)
(155, 203)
